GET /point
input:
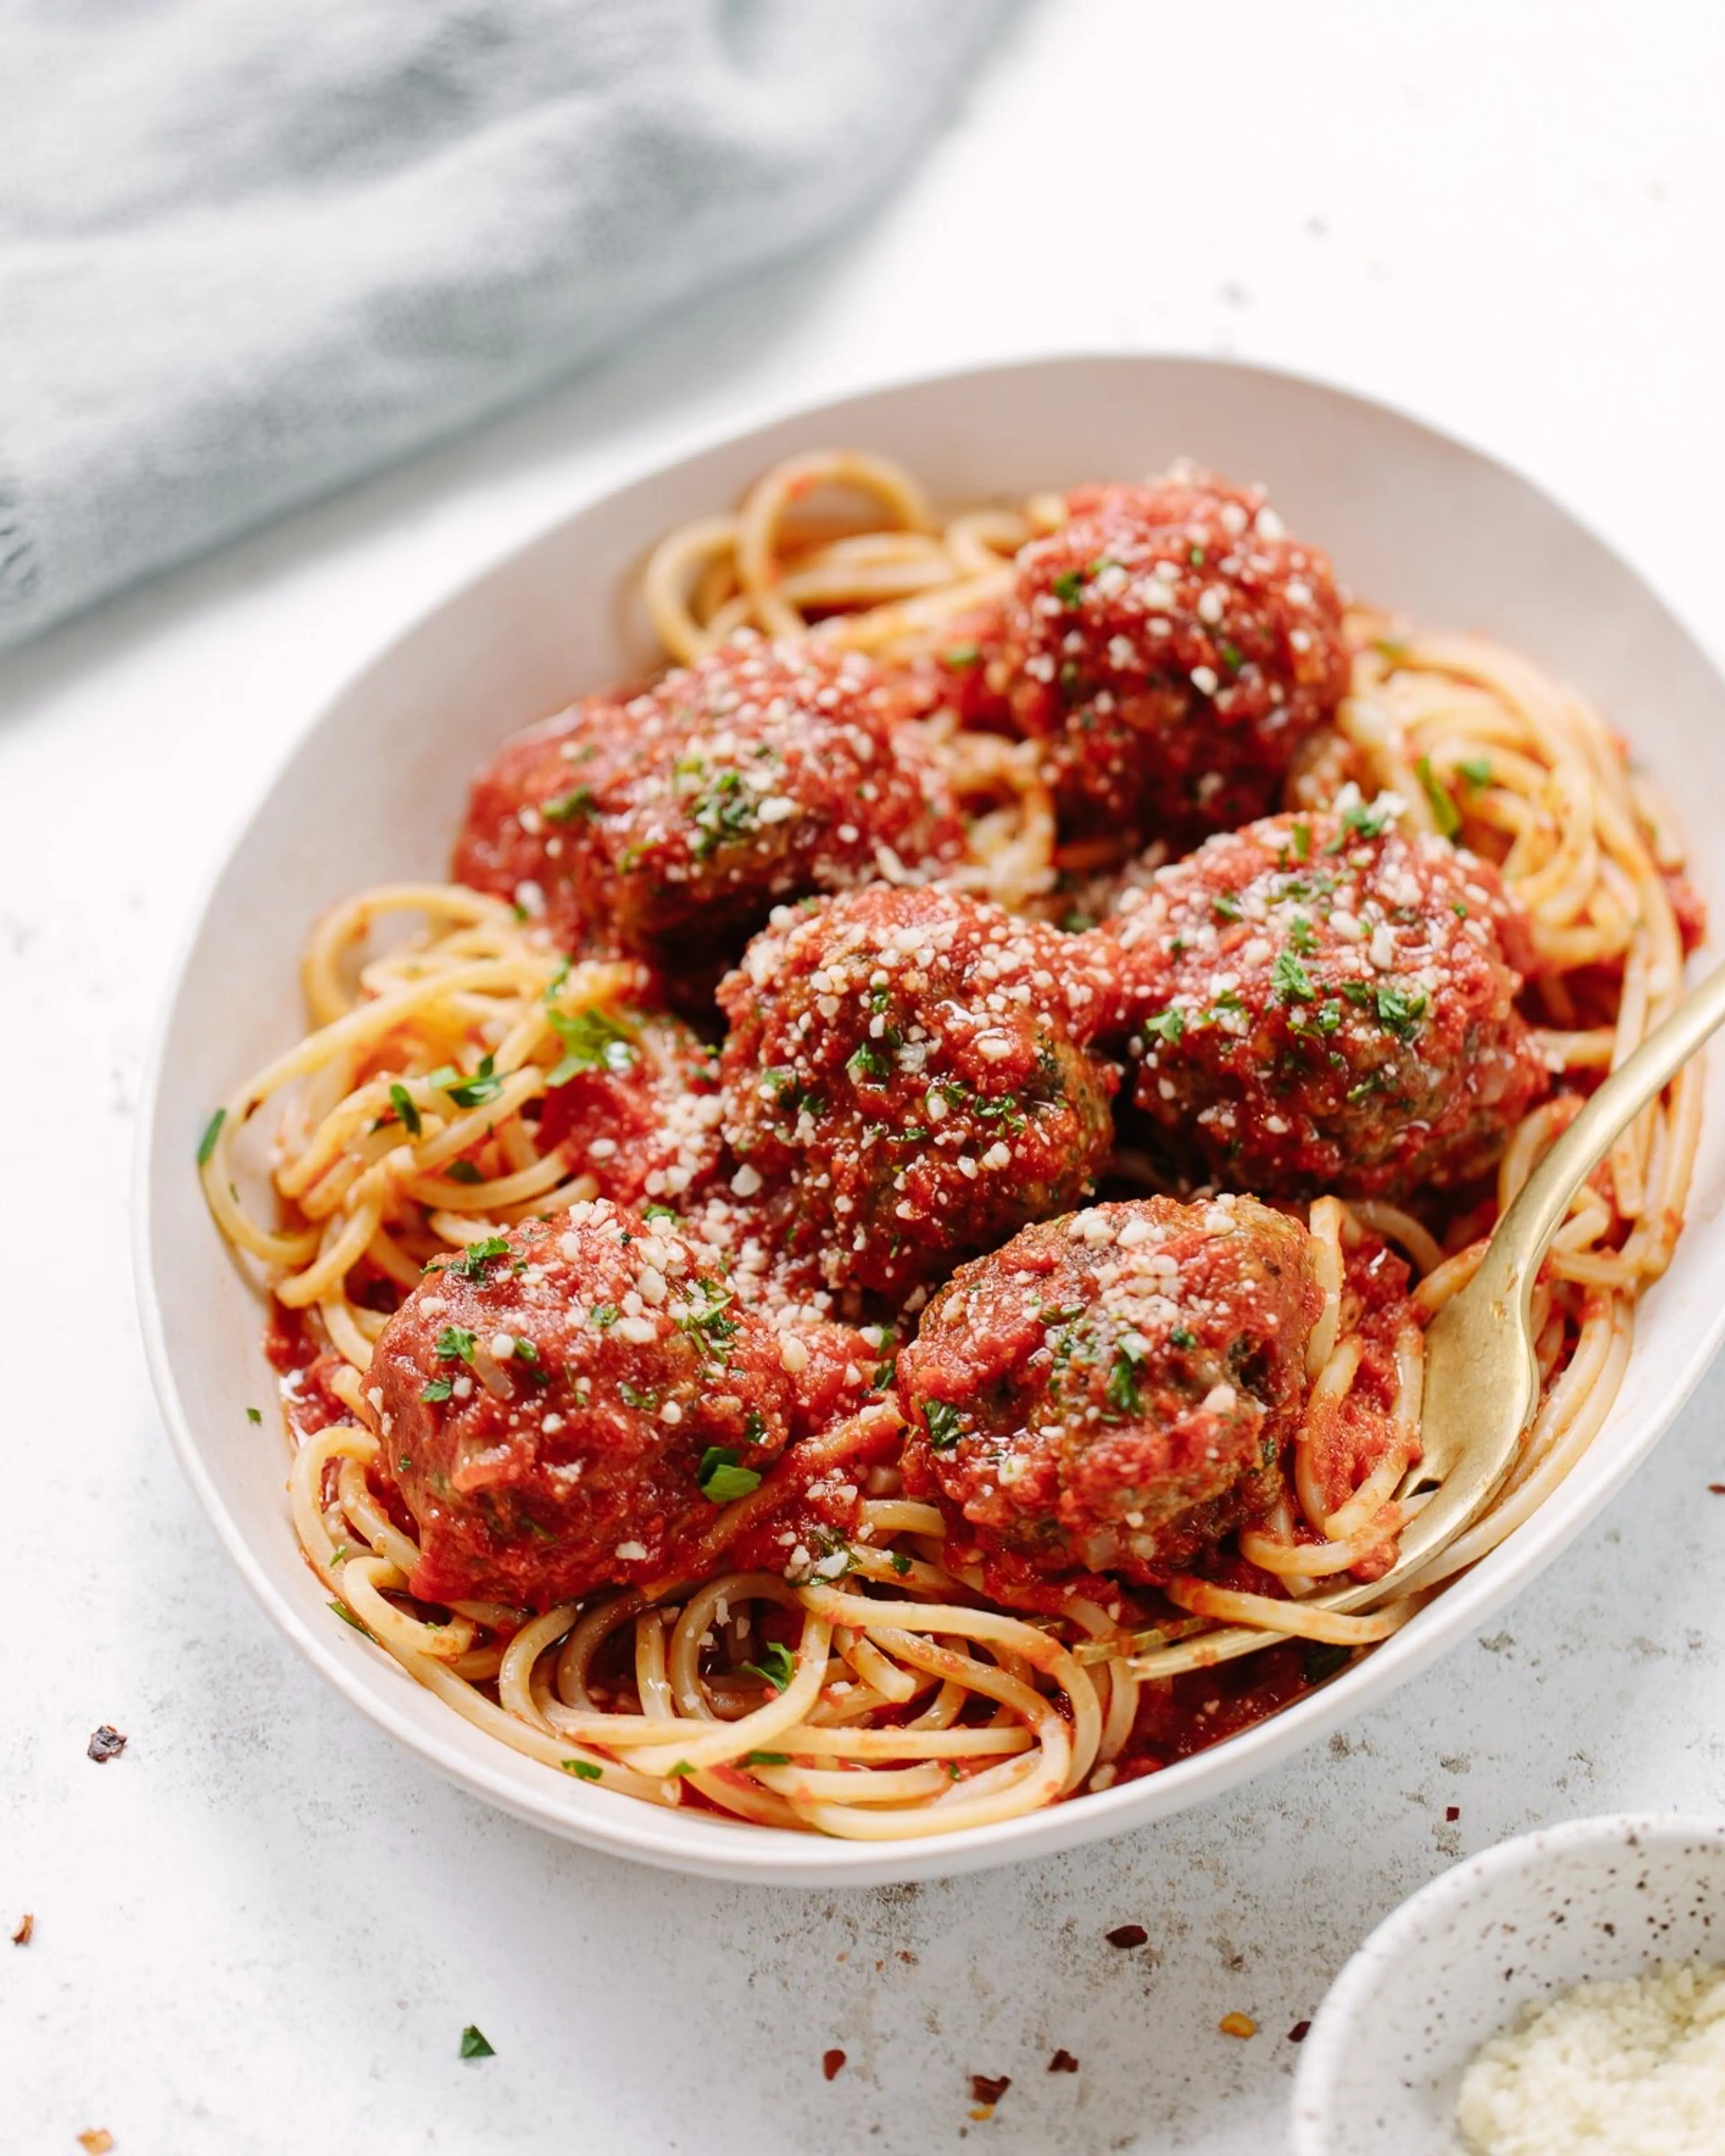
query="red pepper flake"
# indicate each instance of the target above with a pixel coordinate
(1063, 2062)
(1127, 1935)
(832, 2063)
(107, 1743)
(1452, 1814)
(98, 2141)
(23, 1935)
(988, 2088)
(1299, 2031)
(1718, 1489)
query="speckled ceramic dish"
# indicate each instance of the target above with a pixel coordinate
(374, 792)
(1610, 1898)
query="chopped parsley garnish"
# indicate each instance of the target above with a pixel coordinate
(1477, 770)
(885, 1374)
(1183, 1336)
(1231, 657)
(1323, 1025)
(727, 811)
(468, 1092)
(474, 2045)
(593, 1040)
(1370, 819)
(440, 1388)
(464, 1171)
(659, 1213)
(1301, 937)
(1390, 647)
(1168, 1026)
(713, 1324)
(754, 1426)
(945, 1425)
(960, 655)
(766, 1759)
(870, 1064)
(721, 1478)
(778, 1665)
(1443, 808)
(603, 1314)
(646, 1402)
(578, 801)
(1290, 980)
(454, 1345)
(255, 1414)
(1400, 1010)
(211, 1132)
(474, 1260)
(1226, 905)
(1323, 1662)
(1123, 1378)
(584, 1770)
(402, 1101)
(1302, 842)
(348, 1617)
(901, 1564)
(1358, 992)
(1069, 588)
(1194, 555)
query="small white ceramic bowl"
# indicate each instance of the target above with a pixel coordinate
(1608, 1898)
(374, 792)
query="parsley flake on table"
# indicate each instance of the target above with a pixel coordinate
(474, 2045)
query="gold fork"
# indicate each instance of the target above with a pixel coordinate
(1481, 1379)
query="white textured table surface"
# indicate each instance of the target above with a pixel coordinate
(263, 1929)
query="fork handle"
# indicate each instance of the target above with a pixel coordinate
(1519, 1240)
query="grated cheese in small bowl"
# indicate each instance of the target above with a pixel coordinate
(1635, 2068)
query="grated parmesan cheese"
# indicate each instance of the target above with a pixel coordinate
(1635, 2068)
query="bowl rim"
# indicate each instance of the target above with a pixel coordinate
(1329, 2043)
(601, 1818)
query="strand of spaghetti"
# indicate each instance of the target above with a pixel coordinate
(1227, 1605)
(1046, 1774)
(854, 1785)
(890, 1624)
(729, 1589)
(345, 924)
(714, 1744)
(552, 1751)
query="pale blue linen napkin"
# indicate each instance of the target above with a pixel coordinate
(252, 248)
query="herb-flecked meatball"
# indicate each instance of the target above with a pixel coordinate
(548, 1397)
(670, 827)
(908, 1079)
(1324, 1002)
(1173, 645)
(1113, 1392)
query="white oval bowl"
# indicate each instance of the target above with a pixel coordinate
(1608, 1898)
(375, 792)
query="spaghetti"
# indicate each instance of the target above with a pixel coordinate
(878, 1688)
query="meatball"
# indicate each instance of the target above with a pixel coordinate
(763, 770)
(907, 1079)
(1323, 1003)
(1174, 646)
(528, 805)
(547, 1400)
(640, 1110)
(1113, 1392)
